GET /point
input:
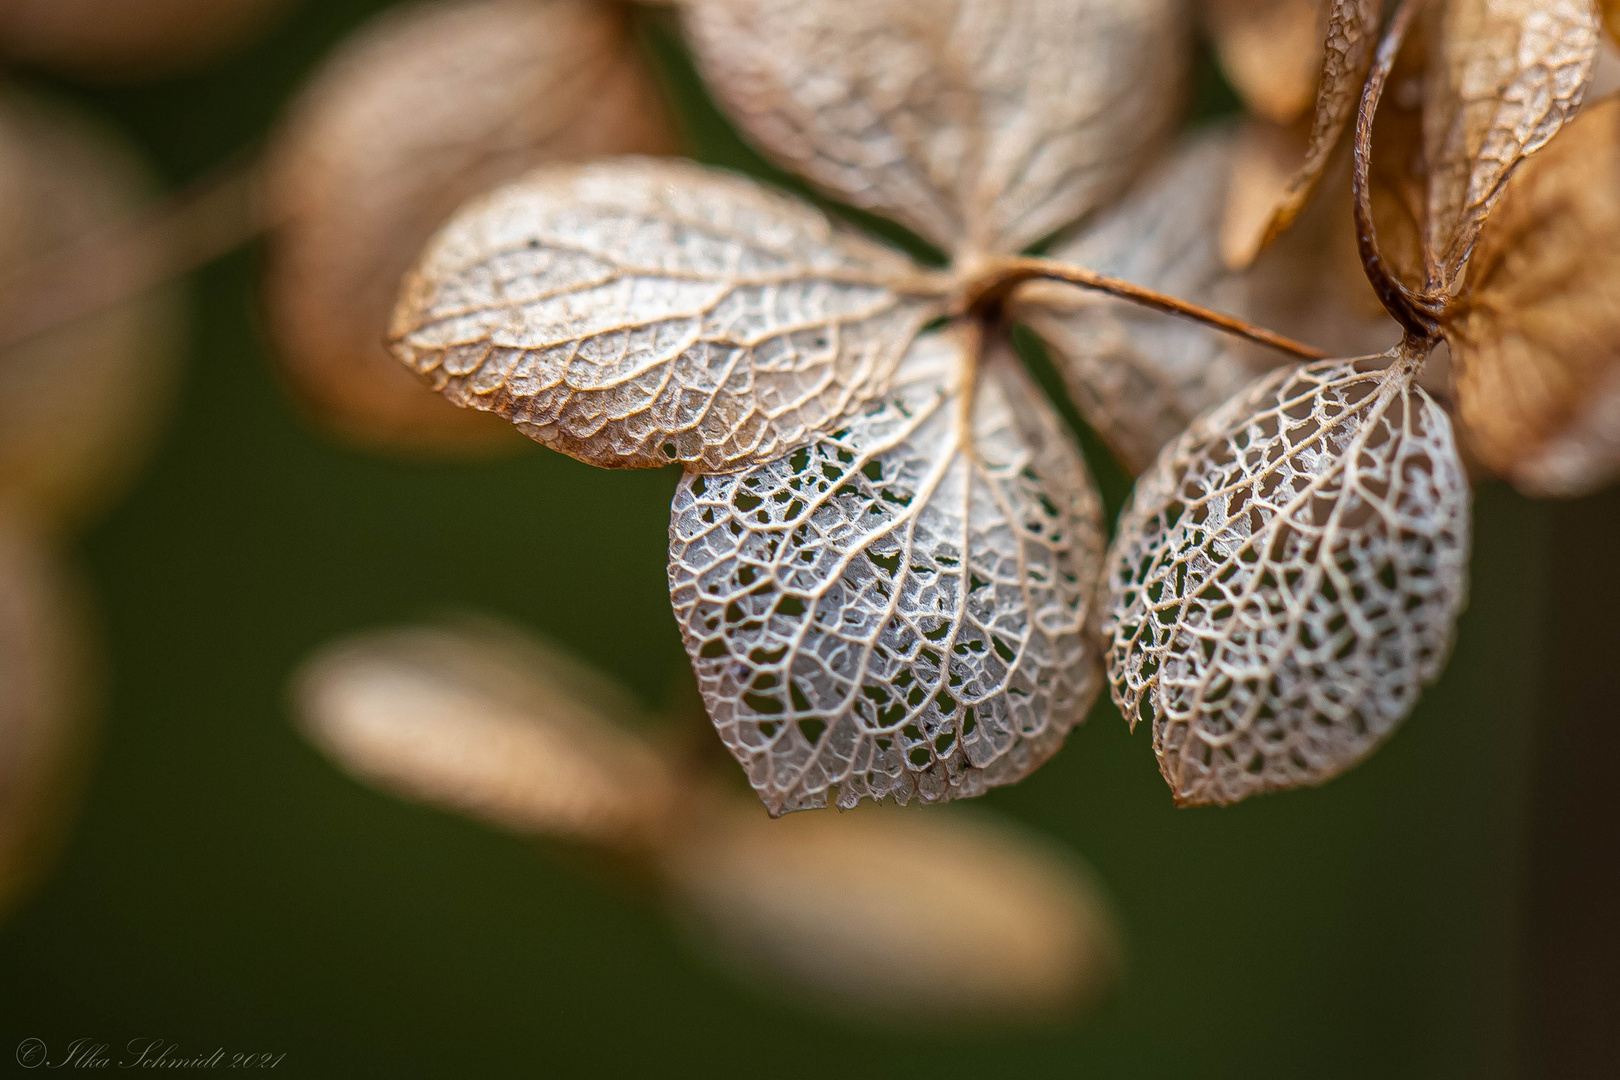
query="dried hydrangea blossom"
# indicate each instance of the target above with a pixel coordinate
(968, 919)
(1287, 578)
(897, 608)
(632, 313)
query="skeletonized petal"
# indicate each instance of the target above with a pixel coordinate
(637, 312)
(1535, 335)
(983, 125)
(423, 108)
(487, 724)
(939, 918)
(1504, 76)
(1287, 579)
(1139, 376)
(899, 607)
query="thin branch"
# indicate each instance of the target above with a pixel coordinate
(1415, 315)
(215, 215)
(994, 281)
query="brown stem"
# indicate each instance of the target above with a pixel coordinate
(991, 283)
(1417, 316)
(216, 214)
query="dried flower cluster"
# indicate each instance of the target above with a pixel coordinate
(887, 554)
(884, 553)
(888, 558)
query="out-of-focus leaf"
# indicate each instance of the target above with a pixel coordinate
(499, 728)
(79, 404)
(1504, 76)
(1266, 200)
(122, 39)
(899, 607)
(423, 109)
(1287, 579)
(1140, 376)
(984, 125)
(46, 675)
(1535, 334)
(937, 918)
(900, 917)
(638, 312)
(1270, 51)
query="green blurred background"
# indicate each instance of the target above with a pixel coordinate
(1446, 910)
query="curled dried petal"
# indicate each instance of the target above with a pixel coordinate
(424, 108)
(1535, 334)
(1288, 577)
(939, 917)
(79, 404)
(900, 606)
(1298, 164)
(45, 706)
(1504, 76)
(637, 312)
(496, 727)
(984, 125)
(1139, 376)
(120, 39)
